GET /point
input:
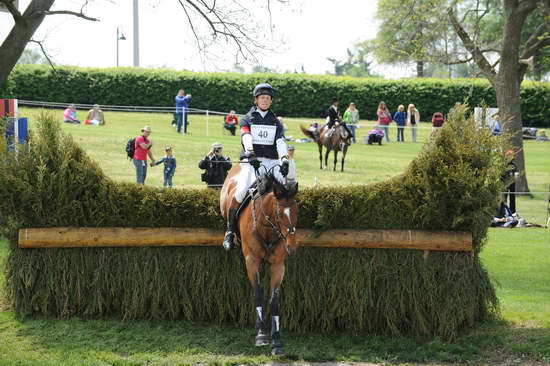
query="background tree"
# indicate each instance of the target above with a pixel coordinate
(225, 22)
(357, 63)
(515, 48)
(411, 31)
(30, 56)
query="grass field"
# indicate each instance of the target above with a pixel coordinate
(517, 260)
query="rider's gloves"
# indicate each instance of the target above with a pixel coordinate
(252, 159)
(284, 166)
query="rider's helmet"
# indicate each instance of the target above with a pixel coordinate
(263, 88)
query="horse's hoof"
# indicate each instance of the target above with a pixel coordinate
(277, 351)
(262, 340)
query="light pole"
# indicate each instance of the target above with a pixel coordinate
(119, 37)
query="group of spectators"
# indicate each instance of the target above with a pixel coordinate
(95, 116)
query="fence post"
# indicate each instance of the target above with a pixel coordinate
(207, 118)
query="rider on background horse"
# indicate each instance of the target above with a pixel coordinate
(334, 118)
(263, 142)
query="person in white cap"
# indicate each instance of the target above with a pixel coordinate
(142, 150)
(215, 167)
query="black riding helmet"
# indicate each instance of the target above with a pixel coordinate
(263, 88)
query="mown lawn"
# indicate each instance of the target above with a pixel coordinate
(517, 260)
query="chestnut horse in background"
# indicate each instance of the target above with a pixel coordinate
(266, 232)
(338, 141)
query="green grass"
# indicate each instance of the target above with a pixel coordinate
(364, 164)
(517, 260)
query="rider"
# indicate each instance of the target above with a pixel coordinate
(334, 118)
(263, 141)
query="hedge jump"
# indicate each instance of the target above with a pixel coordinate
(82, 237)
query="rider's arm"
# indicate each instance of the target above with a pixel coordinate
(281, 143)
(246, 136)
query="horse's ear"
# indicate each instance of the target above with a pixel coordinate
(293, 190)
(278, 189)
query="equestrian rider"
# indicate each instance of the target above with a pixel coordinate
(263, 142)
(334, 118)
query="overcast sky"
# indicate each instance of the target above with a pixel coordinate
(308, 31)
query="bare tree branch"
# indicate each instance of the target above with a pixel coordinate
(13, 10)
(527, 6)
(477, 55)
(68, 12)
(44, 53)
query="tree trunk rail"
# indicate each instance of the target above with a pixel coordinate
(90, 237)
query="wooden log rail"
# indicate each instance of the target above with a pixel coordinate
(87, 237)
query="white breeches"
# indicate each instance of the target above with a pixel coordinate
(247, 176)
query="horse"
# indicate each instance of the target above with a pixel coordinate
(266, 232)
(338, 141)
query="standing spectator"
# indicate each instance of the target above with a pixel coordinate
(509, 179)
(169, 166)
(142, 150)
(291, 176)
(216, 167)
(400, 118)
(413, 119)
(437, 121)
(384, 119)
(231, 122)
(351, 117)
(69, 115)
(95, 116)
(182, 104)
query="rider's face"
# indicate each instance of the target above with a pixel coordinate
(263, 102)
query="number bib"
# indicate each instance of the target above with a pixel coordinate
(263, 134)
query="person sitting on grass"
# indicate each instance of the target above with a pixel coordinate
(69, 116)
(231, 122)
(504, 217)
(95, 117)
(375, 135)
(169, 166)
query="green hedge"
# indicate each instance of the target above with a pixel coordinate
(298, 95)
(451, 185)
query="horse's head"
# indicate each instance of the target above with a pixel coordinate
(286, 213)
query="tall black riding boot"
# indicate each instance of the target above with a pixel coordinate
(229, 239)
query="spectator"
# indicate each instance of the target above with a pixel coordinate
(509, 179)
(384, 119)
(169, 166)
(504, 217)
(231, 122)
(95, 116)
(400, 119)
(216, 167)
(375, 136)
(182, 104)
(142, 150)
(542, 136)
(413, 119)
(351, 117)
(291, 176)
(437, 121)
(69, 116)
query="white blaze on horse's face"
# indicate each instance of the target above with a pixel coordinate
(291, 228)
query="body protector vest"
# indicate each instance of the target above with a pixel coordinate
(267, 134)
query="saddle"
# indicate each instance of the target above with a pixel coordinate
(260, 187)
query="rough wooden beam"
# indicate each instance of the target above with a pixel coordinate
(82, 237)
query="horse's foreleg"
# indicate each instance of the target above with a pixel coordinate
(253, 271)
(320, 155)
(277, 274)
(335, 159)
(326, 157)
(343, 158)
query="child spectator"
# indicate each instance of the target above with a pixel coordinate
(351, 117)
(413, 119)
(437, 121)
(169, 166)
(384, 119)
(375, 136)
(400, 119)
(69, 116)
(231, 122)
(291, 176)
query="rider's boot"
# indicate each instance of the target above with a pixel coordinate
(229, 239)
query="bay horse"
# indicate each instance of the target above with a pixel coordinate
(338, 141)
(266, 232)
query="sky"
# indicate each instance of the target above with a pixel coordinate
(306, 32)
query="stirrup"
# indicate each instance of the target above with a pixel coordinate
(228, 241)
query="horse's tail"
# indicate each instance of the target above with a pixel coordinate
(309, 133)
